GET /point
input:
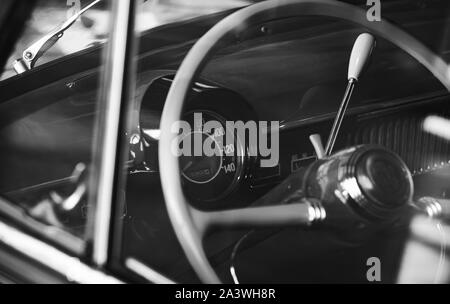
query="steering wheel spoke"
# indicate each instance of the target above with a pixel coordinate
(302, 214)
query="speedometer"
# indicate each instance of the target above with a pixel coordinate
(209, 177)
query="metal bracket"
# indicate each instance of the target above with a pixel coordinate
(32, 54)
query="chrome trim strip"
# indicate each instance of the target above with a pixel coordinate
(146, 272)
(72, 268)
(365, 110)
(109, 148)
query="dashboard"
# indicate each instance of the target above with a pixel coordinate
(235, 179)
(219, 183)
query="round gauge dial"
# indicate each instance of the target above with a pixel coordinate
(212, 168)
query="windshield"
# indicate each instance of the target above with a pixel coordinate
(92, 28)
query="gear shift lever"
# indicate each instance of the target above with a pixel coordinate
(362, 50)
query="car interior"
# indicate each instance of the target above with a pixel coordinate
(276, 66)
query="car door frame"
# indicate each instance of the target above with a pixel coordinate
(26, 258)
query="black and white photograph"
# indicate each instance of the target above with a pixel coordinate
(224, 151)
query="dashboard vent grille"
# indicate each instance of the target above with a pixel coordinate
(421, 151)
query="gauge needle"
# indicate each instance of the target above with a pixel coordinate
(188, 166)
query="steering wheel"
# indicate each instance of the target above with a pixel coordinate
(190, 224)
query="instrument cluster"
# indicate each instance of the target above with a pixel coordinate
(219, 175)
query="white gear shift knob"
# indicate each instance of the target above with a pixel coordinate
(362, 50)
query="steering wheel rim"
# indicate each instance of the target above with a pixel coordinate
(183, 217)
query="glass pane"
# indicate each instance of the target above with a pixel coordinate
(289, 72)
(91, 29)
(49, 119)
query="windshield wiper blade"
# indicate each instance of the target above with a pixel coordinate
(32, 54)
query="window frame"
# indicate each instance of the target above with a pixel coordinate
(63, 257)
